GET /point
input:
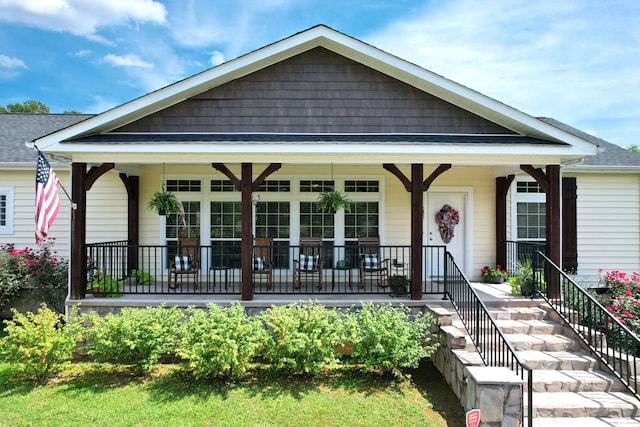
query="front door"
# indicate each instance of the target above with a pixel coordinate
(449, 207)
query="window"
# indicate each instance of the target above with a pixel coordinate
(362, 221)
(273, 220)
(316, 223)
(531, 221)
(317, 186)
(6, 210)
(184, 226)
(226, 234)
(187, 185)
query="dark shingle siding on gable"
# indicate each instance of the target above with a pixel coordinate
(17, 129)
(316, 92)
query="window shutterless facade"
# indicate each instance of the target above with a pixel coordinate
(6, 210)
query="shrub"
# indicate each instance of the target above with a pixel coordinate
(39, 343)
(36, 269)
(222, 341)
(302, 338)
(388, 338)
(136, 336)
(143, 277)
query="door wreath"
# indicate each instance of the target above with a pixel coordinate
(447, 218)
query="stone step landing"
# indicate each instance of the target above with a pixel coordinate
(574, 381)
(584, 404)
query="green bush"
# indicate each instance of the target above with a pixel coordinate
(136, 336)
(220, 342)
(388, 338)
(39, 343)
(302, 338)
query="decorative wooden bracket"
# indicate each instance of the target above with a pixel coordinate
(237, 183)
(407, 182)
(94, 173)
(537, 174)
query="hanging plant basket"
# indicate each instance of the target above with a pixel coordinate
(164, 203)
(333, 201)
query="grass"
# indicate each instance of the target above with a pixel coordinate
(90, 394)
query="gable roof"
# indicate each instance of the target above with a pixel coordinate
(609, 155)
(16, 129)
(320, 36)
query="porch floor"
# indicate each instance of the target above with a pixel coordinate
(492, 295)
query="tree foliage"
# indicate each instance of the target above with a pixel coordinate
(30, 106)
(634, 148)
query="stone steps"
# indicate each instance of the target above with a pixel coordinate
(569, 389)
(584, 404)
(585, 422)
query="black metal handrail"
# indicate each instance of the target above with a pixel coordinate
(612, 342)
(516, 251)
(492, 345)
(219, 269)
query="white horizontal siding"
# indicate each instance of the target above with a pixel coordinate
(106, 215)
(608, 210)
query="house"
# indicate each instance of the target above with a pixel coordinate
(433, 168)
(17, 183)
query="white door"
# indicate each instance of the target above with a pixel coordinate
(453, 202)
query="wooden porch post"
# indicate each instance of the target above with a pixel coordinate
(78, 231)
(246, 186)
(416, 186)
(132, 184)
(502, 189)
(417, 214)
(550, 183)
(247, 225)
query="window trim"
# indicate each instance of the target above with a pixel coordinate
(9, 194)
(523, 198)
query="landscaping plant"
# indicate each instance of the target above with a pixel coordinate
(220, 342)
(139, 337)
(39, 344)
(388, 338)
(302, 337)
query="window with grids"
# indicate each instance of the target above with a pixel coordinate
(3, 210)
(184, 185)
(362, 221)
(226, 221)
(529, 187)
(316, 186)
(275, 186)
(222, 186)
(226, 234)
(361, 186)
(273, 219)
(531, 220)
(184, 226)
(6, 210)
(314, 222)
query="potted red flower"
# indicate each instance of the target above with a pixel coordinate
(494, 275)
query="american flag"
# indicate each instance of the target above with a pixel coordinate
(47, 201)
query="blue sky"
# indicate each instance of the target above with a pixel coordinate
(577, 61)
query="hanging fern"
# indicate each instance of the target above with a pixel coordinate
(333, 201)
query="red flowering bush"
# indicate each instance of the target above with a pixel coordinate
(33, 270)
(625, 297)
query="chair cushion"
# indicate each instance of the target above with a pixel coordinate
(183, 263)
(370, 262)
(259, 264)
(309, 262)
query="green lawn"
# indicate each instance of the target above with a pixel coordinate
(95, 395)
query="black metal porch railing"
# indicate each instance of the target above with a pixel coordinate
(516, 251)
(489, 340)
(613, 343)
(219, 269)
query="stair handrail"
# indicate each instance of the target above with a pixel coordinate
(475, 317)
(608, 339)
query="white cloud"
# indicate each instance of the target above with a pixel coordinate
(129, 60)
(11, 63)
(81, 17)
(217, 58)
(81, 53)
(572, 60)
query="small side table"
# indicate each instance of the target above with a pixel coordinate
(224, 269)
(333, 275)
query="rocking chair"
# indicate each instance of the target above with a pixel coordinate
(186, 262)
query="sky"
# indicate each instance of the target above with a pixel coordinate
(577, 61)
